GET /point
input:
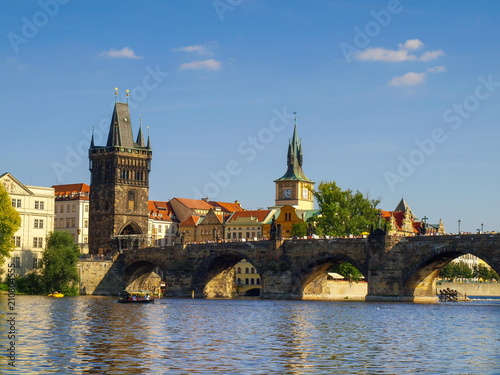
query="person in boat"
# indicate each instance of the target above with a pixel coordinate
(147, 297)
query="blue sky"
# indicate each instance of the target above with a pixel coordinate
(393, 98)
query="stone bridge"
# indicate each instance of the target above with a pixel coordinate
(396, 268)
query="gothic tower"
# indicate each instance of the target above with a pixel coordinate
(294, 188)
(119, 187)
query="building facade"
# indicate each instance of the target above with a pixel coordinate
(119, 187)
(36, 207)
(72, 212)
(162, 224)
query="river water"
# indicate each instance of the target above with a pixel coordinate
(96, 335)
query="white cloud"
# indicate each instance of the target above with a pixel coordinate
(196, 48)
(209, 64)
(431, 55)
(411, 44)
(408, 79)
(436, 69)
(125, 52)
(399, 55)
(387, 55)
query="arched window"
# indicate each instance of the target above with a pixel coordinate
(258, 281)
(252, 270)
(239, 270)
(252, 281)
(239, 281)
(131, 200)
(246, 281)
(246, 270)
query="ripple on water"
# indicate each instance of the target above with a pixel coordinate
(96, 335)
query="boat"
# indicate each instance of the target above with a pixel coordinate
(135, 296)
(56, 294)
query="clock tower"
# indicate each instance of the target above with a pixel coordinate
(294, 188)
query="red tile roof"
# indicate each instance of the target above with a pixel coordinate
(160, 210)
(72, 191)
(191, 220)
(194, 203)
(259, 214)
(226, 206)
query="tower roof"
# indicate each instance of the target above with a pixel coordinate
(120, 129)
(294, 159)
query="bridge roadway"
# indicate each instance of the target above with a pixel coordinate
(396, 268)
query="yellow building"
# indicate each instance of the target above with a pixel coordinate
(248, 281)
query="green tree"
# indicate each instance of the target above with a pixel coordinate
(347, 270)
(456, 270)
(344, 212)
(483, 272)
(299, 229)
(59, 264)
(9, 224)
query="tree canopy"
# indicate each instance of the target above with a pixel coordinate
(59, 262)
(10, 220)
(344, 212)
(460, 270)
(347, 270)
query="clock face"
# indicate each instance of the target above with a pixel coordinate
(287, 193)
(305, 193)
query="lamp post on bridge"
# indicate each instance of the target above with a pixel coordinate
(482, 226)
(458, 226)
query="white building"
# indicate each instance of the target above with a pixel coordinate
(36, 208)
(72, 212)
(162, 224)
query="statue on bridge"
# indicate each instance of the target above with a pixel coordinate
(275, 233)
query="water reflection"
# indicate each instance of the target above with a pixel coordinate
(96, 335)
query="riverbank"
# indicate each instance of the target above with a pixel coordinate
(473, 289)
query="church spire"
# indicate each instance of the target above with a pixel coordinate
(294, 158)
(140, 138)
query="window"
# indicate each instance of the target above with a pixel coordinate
(39, 205)
(37, 241)
(67, 208)
(16, 203)
(38, 223)
(17, 241)
(131, 200)
(246, 270)
(73, 207)
(85, 223)
(17, 262)
(61, 208)
(36, 263)
(252, 281)
(258, 281)
(67, 222)
(246, 281)
(252, 270)
(239, 269)
(73, 222)
(86, 209)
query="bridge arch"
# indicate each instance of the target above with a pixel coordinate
(419, 279)
(214, 277)
(142, 275)
(310, 276)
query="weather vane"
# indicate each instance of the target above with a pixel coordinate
(116, 94)
(127, 92)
